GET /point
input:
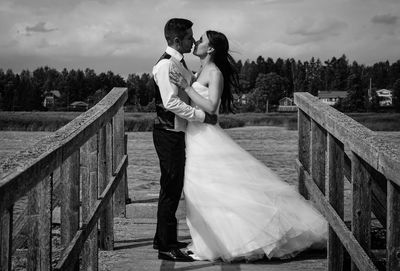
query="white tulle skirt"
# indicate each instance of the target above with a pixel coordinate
(237, 207)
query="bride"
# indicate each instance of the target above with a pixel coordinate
(237, 208)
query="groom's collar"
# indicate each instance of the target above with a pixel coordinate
(174, 53)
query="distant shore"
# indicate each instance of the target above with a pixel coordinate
(141, 122)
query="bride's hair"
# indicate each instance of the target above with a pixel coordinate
(226, 64)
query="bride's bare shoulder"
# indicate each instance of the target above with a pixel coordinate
(211, 74)
(215, 72)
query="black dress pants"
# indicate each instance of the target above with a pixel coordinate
(170, 148)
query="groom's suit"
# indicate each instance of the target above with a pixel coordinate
(173, 112)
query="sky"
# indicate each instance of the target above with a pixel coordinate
(126, 36)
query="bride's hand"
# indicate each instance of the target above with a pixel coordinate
(175, 77)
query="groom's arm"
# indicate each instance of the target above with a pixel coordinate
(169, 95)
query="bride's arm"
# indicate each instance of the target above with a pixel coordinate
(215, 88)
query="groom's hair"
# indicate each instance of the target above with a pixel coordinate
(176, 27)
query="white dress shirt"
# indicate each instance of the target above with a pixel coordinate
(175, 99)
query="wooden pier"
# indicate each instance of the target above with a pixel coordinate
(79, 174)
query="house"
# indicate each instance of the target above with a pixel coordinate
(240, 99)
(286, 104)
(78, 106)
(96, 97)
(50, 98)
(385, 97)
(331, 97)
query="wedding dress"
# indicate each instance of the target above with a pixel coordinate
(238, 208)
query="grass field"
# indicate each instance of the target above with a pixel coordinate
(274, 146)
(51, 121)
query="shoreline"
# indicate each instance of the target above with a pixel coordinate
(134, 122)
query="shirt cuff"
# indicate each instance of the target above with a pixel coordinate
(200, 115)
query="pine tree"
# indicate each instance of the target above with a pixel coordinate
(396, 95)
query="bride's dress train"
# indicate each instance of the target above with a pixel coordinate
(239, 208)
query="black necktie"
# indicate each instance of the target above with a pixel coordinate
(184, 63)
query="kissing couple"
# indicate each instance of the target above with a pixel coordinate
(236, 207)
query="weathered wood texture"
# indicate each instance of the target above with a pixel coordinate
(374, 149)
(348, 240)
(318, 155)
(374, 162)
(23, 171)
(20, 223)
(71, 253)
(105, 174)
(378, 189)
(361, 191)
(127, 198)
(6, 239)
(40, 217)
(304, 128)
(118, 153)
(69, 177)
(393, 227)
(335, 194)
(27, 173)
(89, 173)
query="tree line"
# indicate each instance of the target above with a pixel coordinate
(261, 80)
(266, 79)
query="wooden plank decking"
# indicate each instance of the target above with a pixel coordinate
(133, 236)
(133, 248)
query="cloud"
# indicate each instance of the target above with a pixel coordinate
(247, 2)
(120, 37)
(310, 30)
(127, 35)
(45, 7)
(317, 28)
(387, 19)
(279, 2)
(39, 27)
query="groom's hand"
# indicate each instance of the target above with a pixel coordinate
(210, 119)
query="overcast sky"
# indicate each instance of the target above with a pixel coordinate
(126, 36)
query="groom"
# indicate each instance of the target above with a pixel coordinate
(173, 112)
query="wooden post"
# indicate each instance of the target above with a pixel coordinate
(118, 152)
(127, 198)
(69, 200)
(105, 171)
(89, 197)
(336, 198)
(57, 187)
(6, 225)
(393, 227)
(304, 126)
(378, 188)
(361, 190)
(40, 218)
(318, 155)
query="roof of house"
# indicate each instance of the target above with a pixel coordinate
(79, 103)
(286, 98)
(384, 92)
(55, 93)
(331, 94)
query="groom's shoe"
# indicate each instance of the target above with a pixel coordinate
(178, 245)
(174, 255)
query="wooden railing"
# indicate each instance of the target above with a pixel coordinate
(89, 156)
(372, 167)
